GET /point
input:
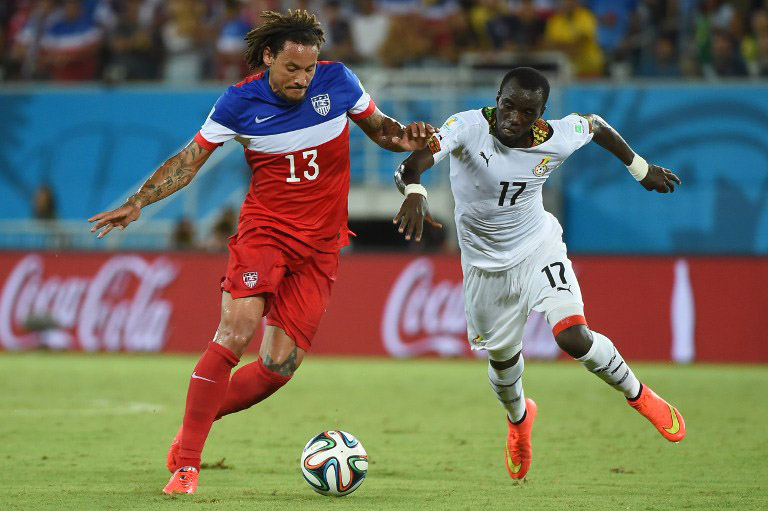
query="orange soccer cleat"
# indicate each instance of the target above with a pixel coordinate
(184, 480)
(665, 418)
(173, 452)
(518, 448)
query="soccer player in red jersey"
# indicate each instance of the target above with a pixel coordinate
(292, 120)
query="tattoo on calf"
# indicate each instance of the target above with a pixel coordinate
(285, 368)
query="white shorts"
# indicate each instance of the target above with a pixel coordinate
(497, 304)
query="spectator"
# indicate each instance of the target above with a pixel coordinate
(133, 46)
(184, 36)
(712, 16)
(230, 45)
(62, 39)
(339, 34)
(573, 30)
(224, 227)
(401, 7)
(184, 235)
(612, 24)
(44, 203)
(406, 42)
(663, 63)
(462, 33)
(438, 21)
(526, 26)
(369, 31)
(482, 14)
(726, 60)
(543, 8)
(70, 49)
(754, 47)
(26, 29)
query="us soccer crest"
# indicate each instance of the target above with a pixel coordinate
(541, 168)
(250, 278)
(322, 104)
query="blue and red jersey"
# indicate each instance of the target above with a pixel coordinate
(298, 152)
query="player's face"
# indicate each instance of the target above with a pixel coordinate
(517, 110)
(291, 70)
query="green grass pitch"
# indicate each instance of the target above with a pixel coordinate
(91, 432)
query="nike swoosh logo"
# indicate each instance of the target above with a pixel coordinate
(259, 121)
(195, 376)
(675, 423)
(511, 464)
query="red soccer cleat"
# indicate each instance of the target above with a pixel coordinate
(517, 451)
(173, 453)
(665, 418)
(184, 480)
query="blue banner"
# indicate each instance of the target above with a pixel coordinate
(93, 144)
(714, 137)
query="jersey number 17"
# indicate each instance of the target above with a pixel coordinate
(505, 187)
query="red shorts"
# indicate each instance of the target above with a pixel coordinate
(294, 278)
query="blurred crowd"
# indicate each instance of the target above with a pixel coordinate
(192, 40)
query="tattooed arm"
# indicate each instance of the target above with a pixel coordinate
(172, 176)
(393, 136)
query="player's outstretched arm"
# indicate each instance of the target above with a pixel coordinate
(652, 177)
(414, 210)
(172, 176)
(393, 136)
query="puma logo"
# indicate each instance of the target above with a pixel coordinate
(562, 288)
(486, 158)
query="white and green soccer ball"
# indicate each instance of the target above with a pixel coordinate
(334, 463)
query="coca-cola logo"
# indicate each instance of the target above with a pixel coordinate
(118, 308)
(424, 316)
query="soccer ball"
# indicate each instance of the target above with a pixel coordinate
(334, 463)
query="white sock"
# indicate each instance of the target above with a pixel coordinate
(508, 386)
(606, 362)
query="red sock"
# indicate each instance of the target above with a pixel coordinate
(207, 389)
(250, 384)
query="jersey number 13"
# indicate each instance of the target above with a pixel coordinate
(311, 155)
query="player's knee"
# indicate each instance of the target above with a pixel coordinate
(500, 365)
(236, 332)
(575, 340)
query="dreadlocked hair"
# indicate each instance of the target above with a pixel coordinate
(298, 26)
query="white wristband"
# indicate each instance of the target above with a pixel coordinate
(415, 188)
(638, 168)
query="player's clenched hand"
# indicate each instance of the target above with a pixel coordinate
(411, 216)
(659, 179)
(119, 218)
(415, 136)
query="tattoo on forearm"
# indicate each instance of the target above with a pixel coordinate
(286, 368)
(172, 176)
(391, 128)
(381, 129)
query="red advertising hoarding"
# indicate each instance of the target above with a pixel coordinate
(660, 308)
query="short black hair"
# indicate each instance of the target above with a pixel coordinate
(298, 26)
(527, 78)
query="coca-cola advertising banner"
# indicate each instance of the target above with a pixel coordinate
(660, 308)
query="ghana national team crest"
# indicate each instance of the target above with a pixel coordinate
(250, 279)
(321, 103)
(541, 168)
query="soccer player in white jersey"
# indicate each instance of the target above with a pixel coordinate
(512, 254)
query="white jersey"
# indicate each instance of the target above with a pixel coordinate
(500, 216)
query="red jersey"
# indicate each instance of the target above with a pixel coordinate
(298, 152)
